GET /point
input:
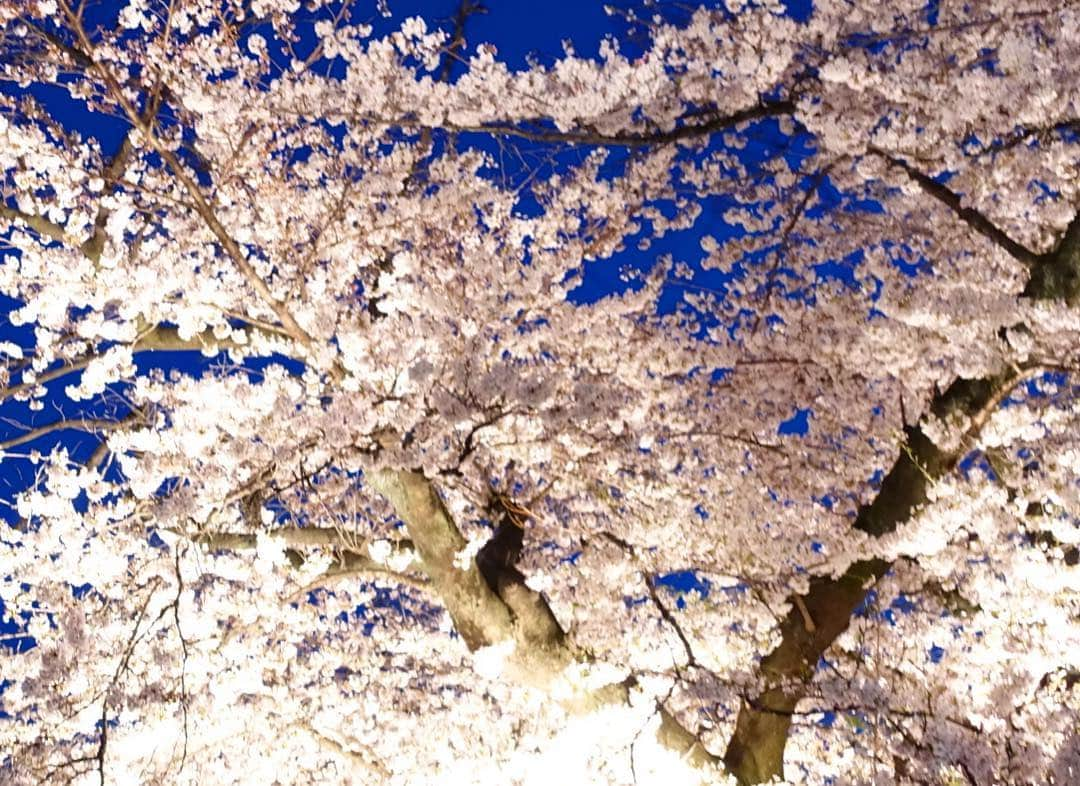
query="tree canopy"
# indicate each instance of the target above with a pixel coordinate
(380, 412)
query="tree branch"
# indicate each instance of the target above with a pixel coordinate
(159, 338)
(365, 759)
(479, 615)
(542, 651)
(969, 215)
(200, 203)
(756, 749)
(688, 130)
(73, 424)
(350, 554)
(39, 224)
(1023, 134)
(328, 537)
(95, 245)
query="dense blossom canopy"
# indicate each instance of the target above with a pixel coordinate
(332, 474)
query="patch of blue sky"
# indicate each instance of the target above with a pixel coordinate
(797, 425)
(684, 582)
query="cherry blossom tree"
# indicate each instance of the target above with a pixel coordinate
(345, 485)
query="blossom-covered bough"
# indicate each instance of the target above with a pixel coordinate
(327, 479)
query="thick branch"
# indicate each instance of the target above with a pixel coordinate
(516, 613)
(688, 130)
(94, 247)
(328, 537)
(479, 615)
(756, 750)
(350, 546)
(39, 224)
(159, 338)
(969, 215)
(350, 551)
